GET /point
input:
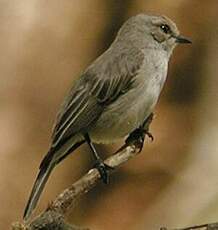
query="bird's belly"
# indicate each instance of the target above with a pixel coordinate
(122, 117)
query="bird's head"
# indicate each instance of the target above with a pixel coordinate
(146, 31)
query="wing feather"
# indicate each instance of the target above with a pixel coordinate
(72, 112)
(102, 83)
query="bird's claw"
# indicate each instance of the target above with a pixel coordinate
(150, 136)
(103, 170)
(137, 138)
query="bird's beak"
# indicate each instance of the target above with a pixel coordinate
(182, 40)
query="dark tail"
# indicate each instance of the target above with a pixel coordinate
(46, 166)
(37, 189)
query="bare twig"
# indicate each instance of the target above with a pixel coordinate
(69, 196)
(53, 216)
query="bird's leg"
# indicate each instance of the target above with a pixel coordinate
(100, 165)
(146, 125)
(137, 137)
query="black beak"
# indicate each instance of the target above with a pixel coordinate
(182, 40)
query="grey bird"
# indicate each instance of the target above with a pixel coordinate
(114, 95)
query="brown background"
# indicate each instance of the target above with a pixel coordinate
(46, 44)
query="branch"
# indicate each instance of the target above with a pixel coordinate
(53, 216)
(68, 197)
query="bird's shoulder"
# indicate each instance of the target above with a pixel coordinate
(116, 61)
(113, 72)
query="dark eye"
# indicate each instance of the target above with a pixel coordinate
(165, 28)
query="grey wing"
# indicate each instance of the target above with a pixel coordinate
(77, 113)
(100, 85)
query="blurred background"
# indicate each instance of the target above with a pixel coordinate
(174, 181)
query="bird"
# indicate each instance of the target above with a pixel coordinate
(113, 96)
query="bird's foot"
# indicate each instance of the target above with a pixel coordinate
(103, 170)
(150, 136)
(137, 137)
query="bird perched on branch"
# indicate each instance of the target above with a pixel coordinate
(114, 96)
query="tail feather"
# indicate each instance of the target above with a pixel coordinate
(37, 189)
(52, 158)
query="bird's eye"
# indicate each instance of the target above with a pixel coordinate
(165, 28)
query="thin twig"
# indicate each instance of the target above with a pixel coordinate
(69, 196)
(53, 216)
